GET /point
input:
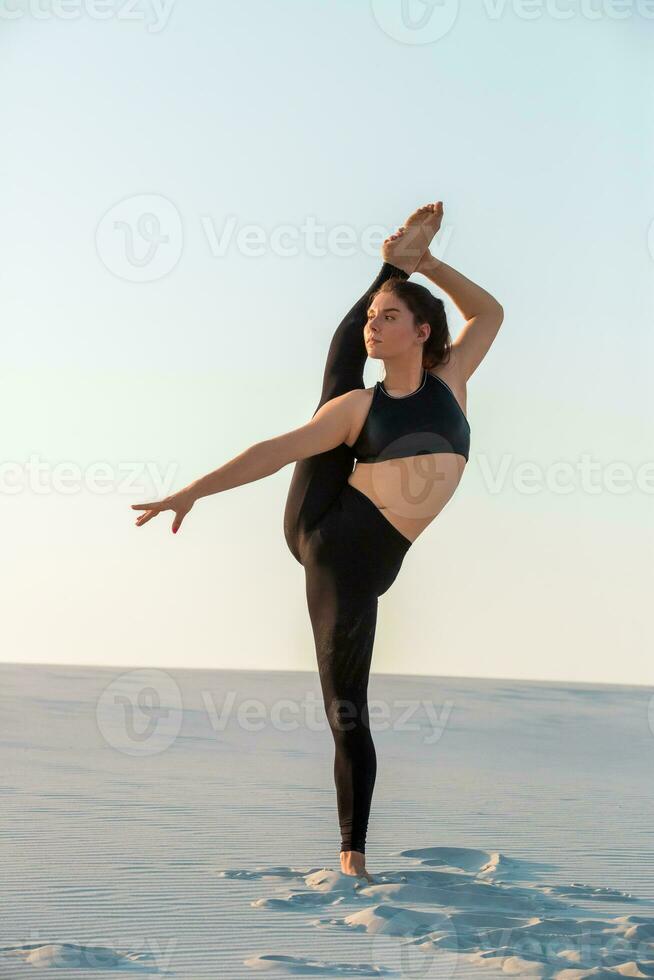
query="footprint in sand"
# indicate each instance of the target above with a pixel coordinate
(309, 967)
(467, 903)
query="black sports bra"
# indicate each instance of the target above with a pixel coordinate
(428, 420)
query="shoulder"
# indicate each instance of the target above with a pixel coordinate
(359, 396)
(353, 403)
(351, 399)
(359, 402)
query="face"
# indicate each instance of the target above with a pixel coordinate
(390, 330)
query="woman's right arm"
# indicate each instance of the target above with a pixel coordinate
(329, 427)
(482, 312)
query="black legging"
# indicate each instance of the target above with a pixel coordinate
(351, 555)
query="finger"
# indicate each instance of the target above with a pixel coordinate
(179, 517)
(153, 505)
(144, 518)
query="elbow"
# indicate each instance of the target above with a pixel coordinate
(492, 311)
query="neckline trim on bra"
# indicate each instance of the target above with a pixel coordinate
(411, 393)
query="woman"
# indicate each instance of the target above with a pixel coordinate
(351, 529)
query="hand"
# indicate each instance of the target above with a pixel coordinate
(181, 502)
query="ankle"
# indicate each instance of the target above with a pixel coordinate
(395, 269)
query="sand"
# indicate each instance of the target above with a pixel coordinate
(183, 824)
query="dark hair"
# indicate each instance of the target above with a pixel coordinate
(426, 308)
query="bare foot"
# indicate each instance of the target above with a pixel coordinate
(354, 863)
(406, 247)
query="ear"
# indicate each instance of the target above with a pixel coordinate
(424, 331)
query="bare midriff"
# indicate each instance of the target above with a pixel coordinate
(410, 492)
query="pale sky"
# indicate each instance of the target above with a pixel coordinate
(145, 329)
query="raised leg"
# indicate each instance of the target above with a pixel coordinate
(316, 481)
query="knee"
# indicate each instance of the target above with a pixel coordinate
(348, 718)
(292, 538)
(292, 547)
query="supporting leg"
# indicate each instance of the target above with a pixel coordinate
(343, 617)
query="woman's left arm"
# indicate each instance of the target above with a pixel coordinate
(482, 312)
